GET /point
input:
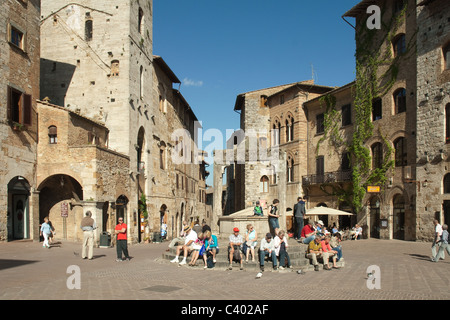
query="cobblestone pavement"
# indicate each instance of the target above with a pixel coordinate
(30, 272)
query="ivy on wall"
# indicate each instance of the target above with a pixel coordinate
(376, 73)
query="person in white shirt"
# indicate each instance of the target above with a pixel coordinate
(280, 244)
(267, 249)
(436, 242)
(191, 236)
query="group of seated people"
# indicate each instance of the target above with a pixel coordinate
(200, 242)
(322, 244)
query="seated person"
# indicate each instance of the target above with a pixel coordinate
(198, 249)
(211, 246)
(328, 253)
(356, 235)
(191, 236)
(267, 249)
(235, 245)
(280, 244)
(251, 241)
(314, 251)
(308, 233)
(335, 244)
(258, 210)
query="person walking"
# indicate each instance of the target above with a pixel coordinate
(121, 243)
(46, 231)
(443, 245)
(299, 215)
(88, 226)
(437, 241)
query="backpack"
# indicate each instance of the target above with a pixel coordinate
(209, 261)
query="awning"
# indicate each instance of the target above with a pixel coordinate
(319, 211)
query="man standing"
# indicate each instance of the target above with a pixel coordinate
(299, 213)
(121, 243)
(437, 241)
(88, 226)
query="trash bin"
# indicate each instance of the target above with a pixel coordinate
(105, 240)
(156, 237)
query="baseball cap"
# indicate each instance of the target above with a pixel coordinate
(236, 230)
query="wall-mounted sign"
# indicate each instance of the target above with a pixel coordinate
(373, 189)
(64, 210)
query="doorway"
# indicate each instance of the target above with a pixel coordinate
(399, 218)
(446, 208)
(18, 209)
(375, 217)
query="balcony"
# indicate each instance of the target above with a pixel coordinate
(327, 177)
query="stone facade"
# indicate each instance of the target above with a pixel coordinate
(19, 88)
(433, 111)
(77, 173)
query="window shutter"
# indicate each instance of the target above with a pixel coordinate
(27, 109)
(8, 106)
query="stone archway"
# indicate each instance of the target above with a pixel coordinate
(60, 198)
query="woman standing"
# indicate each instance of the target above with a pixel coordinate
(46, 231)
(251, 241)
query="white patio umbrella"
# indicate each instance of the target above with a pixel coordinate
(318, 211)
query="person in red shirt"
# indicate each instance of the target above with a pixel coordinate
(308, 233)
(121, 243)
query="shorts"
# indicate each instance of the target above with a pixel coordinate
(273, 222)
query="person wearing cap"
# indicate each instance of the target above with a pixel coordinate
(191, 237)
(267, 249)
(258, 210)
(236, 242)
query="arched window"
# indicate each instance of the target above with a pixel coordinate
(400, 152)
(446, 52)
(276, 129)
(447, 123)
(289, 129)
(290, 169)
(53, 135)
(88, 29)
(400, 100)
(447, 183)
(141, 22)
(377, 155)
(141, 81)
(264, 184)
(115, 68)
(399, 45)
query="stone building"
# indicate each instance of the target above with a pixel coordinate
(433, 115)
(266, 158)
(77, 172)
(19, 89)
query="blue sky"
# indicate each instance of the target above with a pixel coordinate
(219, 49)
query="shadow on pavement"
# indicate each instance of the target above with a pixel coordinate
(7, 263)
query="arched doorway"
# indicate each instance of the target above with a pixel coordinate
(374, 217)
(57, 196)
(164, 219)
(18, 222)
(121, 208)
(399, 217)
